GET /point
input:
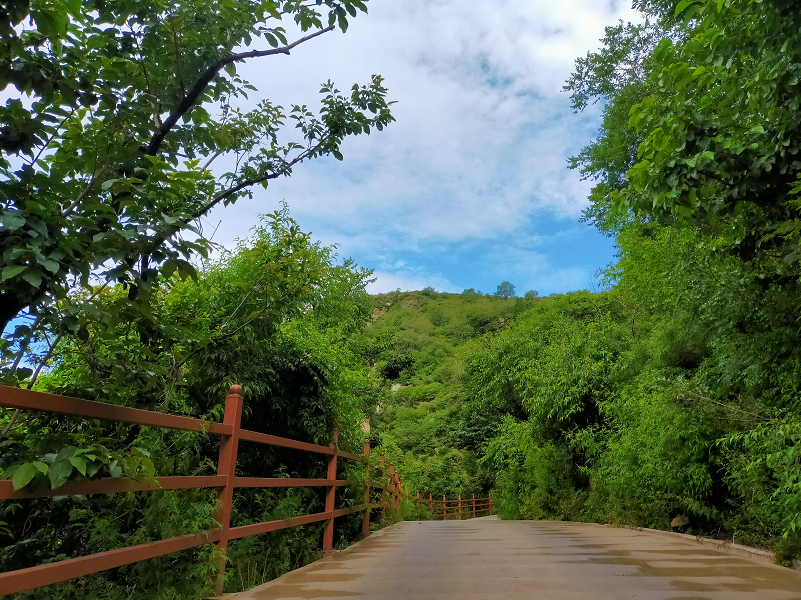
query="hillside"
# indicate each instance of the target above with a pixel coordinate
(417, 345)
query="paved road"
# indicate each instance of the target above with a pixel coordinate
(489, 559)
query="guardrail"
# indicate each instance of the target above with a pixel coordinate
(471, 507)
(224, 481)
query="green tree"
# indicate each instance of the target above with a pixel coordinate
(105, 168)
(697, 175)
(470, 295)
(505, 290)
(617, 74)
(531, 294)
(275, 314)
(720, 130)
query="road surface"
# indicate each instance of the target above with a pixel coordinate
(489, 559)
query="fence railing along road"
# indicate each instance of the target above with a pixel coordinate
(225, 481)
(459, 508)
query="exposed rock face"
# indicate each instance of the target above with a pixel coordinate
(396, 387)
(680, 521)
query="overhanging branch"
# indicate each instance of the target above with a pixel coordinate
(188, 101)
(256, 180)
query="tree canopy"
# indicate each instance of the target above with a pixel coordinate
(505, 290)
(109, 139)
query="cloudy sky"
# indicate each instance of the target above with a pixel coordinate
(470, 186)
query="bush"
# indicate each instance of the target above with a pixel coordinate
(396, 365)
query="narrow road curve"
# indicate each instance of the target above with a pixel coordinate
(489, 559)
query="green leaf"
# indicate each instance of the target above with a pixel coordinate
(23, 475)
(74, 8)
(12, 271)
(11, 220)
(79, 463)
(272, 9)
(32, 277)
(41, 466)
(115, 470)
(50, 265)
(93, 468)
(66, 452)
(59, 472)
(681, 6)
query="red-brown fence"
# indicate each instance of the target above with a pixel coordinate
(224, 481)
(455, 509)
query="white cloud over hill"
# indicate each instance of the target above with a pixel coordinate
(477, 159)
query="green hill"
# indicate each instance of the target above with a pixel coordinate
(417, 346)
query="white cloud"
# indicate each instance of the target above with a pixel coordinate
(483, 130)
(388, 282)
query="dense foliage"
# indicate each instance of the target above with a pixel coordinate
(274, 315)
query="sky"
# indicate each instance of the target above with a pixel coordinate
(470, 187)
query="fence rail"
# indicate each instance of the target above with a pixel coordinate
(459, 508)
(225, 482)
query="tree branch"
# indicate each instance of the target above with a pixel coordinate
(35, 375)
(249, 182)
(52, 136)
(770, 418)
(231, 191)
(84, 193)
(188, 101)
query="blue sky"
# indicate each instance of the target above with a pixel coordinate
(470, 186)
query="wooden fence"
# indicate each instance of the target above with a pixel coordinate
(224, 481)
(455, 509)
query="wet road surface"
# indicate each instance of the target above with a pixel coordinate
(489, 559)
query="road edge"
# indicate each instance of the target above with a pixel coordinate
(726, 546)
(232, 595)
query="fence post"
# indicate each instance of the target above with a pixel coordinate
(460, 507)
(444, 509)
(392, 487)
(490, 503)
(430, 505)
(366, 522)
(400, 493)
(474, 506)
(418, 504)
(383, 490)
(226, 466)
(330, 497)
